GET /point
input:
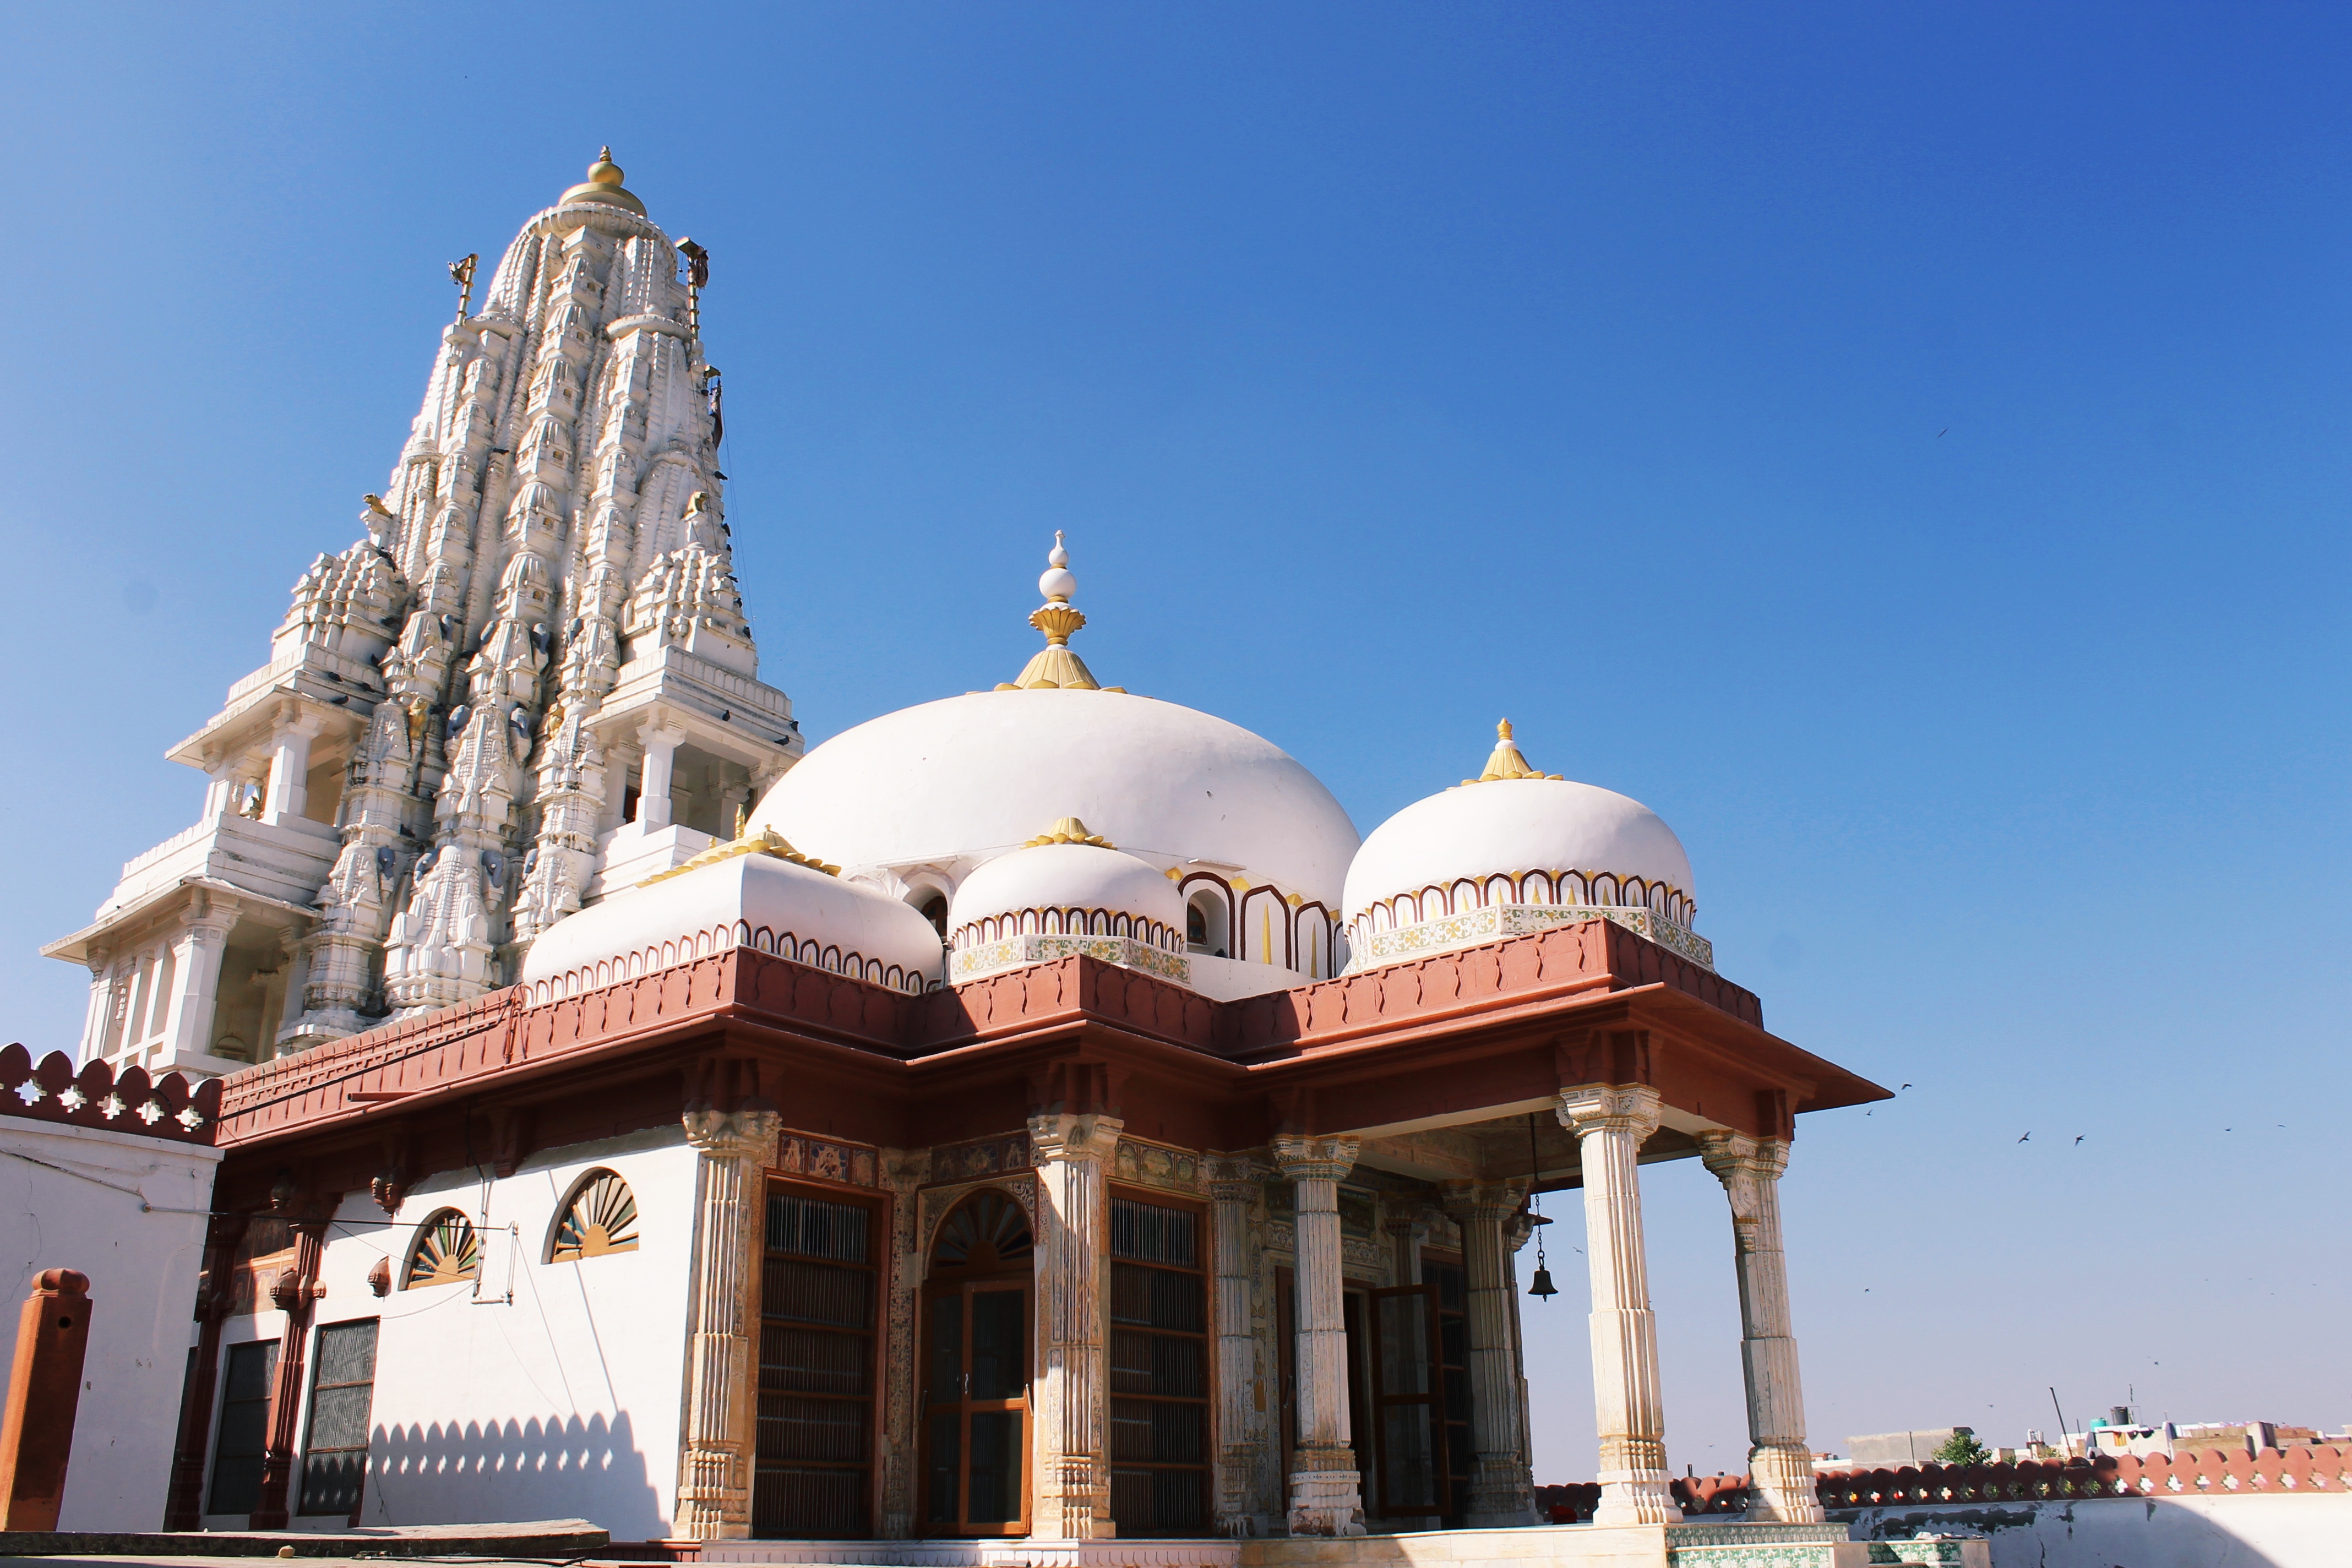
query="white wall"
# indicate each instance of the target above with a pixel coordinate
(2234, 1531)
(143, 1270)
(562, 1403)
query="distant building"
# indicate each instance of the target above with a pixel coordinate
(1891, 1449)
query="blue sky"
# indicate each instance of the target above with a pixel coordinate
(1904, 445)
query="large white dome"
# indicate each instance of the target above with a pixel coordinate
(951, 783)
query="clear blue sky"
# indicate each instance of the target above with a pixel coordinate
(1904, 446)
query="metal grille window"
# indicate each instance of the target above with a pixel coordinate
(1159, 1442)
(819, 1287)
(334, 1457)
(244, 1427)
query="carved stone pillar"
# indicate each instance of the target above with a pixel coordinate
(1779, 1464)
(714, 1468)
(1501, 1485)
(195, 977)
(1235, 1187)
(903, 1174)
(1327, 1496)
(1072, 1392)
(1611, 1122)
(183, 1502)
(289, 768)
(296, 1293)
(661, 743)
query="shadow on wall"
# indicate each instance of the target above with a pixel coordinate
(482, 1473)
(2145, 1533)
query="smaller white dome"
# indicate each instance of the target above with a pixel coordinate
(1514, 851)
(1067, 889)
(754, 900)
(1503, 827)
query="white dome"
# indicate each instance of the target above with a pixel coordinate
(964, 780)
(1623, 853)
(753, 900)
(1067, 888)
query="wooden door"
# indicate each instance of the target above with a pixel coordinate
(976, 1408)
(1408, 1413)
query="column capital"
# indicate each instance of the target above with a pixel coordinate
(1067, 1135)
(1611, 1108)
(1731, 1155)
(1483, 1200)
(1316, 1158)
(210, 916)
(1236, 1178)
(660, 733)
(297, 719)
(732, 1134)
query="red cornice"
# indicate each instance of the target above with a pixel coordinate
(1488, 1021)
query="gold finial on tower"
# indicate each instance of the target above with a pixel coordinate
(604, 184)
(1507, 762)
(1054, 666)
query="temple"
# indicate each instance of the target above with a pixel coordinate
(1030, 1127)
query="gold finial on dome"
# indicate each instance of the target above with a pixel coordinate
(1507, 762)
(1054, 666)
(1069, 830)
(604, 184)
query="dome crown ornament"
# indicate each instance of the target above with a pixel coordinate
(604, 184)
(1068, 830)
(1055, 667)
(1506, 761)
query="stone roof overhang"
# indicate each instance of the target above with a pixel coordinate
(1453, 1039)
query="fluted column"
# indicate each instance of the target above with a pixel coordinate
(1780, 1464)
(714, 1470)
(1502, 1486)
(1073, 1386)
(1235, 1188)
(661, 743)
(1327, 1496)
(289, 768)
(1611, 1122)
(202, 944)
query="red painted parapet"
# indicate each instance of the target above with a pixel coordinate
(2317, 1469)
(98, 1095)
(44, 1391)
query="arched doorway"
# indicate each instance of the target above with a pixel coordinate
(975, 1370)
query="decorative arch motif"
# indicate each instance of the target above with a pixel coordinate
(599, 1218)
(446, 1252)
(988, 1229)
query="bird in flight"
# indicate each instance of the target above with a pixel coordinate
(2078, 1137)
(1943, 432)
(2022, 1140)
(1900, 1091)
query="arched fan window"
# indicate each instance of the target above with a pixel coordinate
(446, 1252)
(987, 1230)
(602, 1217)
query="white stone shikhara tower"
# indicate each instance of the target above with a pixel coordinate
(530, 683)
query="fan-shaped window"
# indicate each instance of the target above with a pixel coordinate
(602, 1217)
(987, 1230)
(446, 1252)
